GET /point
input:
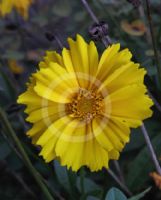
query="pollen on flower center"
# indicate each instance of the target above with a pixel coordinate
(86, 105)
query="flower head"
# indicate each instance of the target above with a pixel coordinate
(82, 107)
(22, 7)
(135, 28)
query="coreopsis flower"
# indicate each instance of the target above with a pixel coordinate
(135, 28)
(22, 7)
(82, 107)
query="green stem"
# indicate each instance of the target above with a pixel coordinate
(7, 126)
(153, 40)
(119, 182)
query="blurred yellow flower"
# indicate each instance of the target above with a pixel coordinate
(82, 107)
(135, 28)
(15, 67)
(22, 7)
(157, 179)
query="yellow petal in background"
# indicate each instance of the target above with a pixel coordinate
(22, 7)
(5, 7)
(15, 67)
(135, 28)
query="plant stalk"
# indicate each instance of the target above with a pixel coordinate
(151, 149)
(7, 127)
(89, 10)
(156, 103)
(157, 60)
(123, 186)
(119, 171)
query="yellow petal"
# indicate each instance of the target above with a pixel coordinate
(95, 156)
(93, 58)
(105, 60)
(75, 151)
(54, 130)
(70, 145)
(5, 7)
(120, 129)
(46, 112)
(125, 75)
(69, 65)
(101, 136)
(48, 151)
(113, 154)
(130, 102)
(51, 56)
(83, 52)
(113, 61)
(79, 55)
(37, 127)
(50, 81)
(111, 135)
(50, 136)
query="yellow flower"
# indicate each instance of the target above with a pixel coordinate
(22, 7)
(157, 179)
(82, 107)
(135, 28)
(15, 67)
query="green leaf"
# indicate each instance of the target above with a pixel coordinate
(62, 175)
(115, 194)
(89, 185)
(142, 165)
(139, 196)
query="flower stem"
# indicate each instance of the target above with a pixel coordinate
(105, 38)
(143, 17)
(117, 166)
(153, 40)
(122, 185)
(156, 103)
(151, 149)
(91, 13)
(7, 127)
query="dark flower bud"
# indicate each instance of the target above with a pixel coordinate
(50, 36)
(98, 31)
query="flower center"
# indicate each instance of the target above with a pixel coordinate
(86, 105)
